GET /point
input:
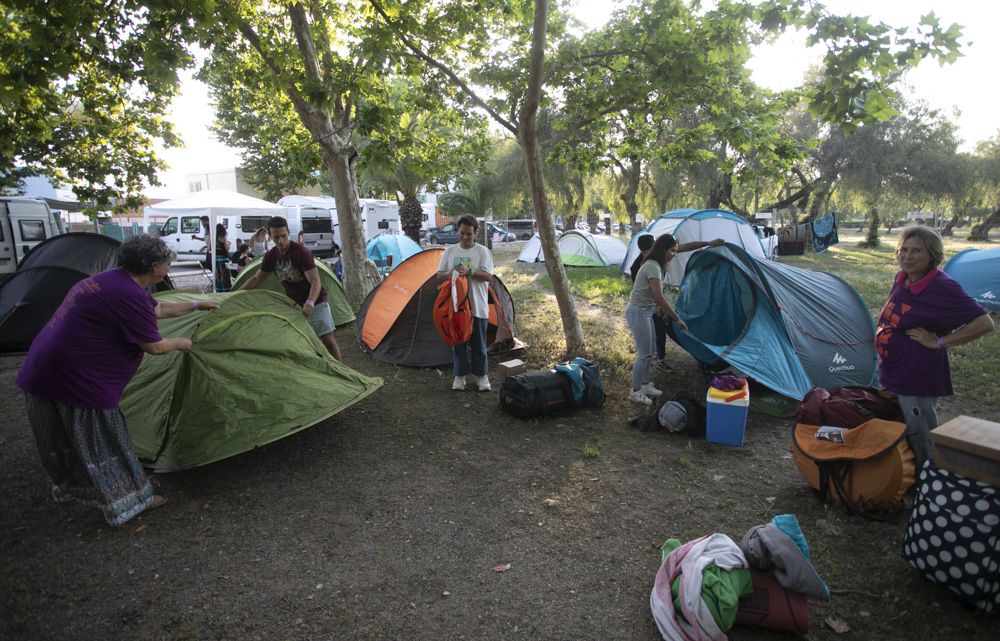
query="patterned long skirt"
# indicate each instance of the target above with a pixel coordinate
(88, 454)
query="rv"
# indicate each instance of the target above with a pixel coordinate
(317, 221)
(24, 223)
(377, 217)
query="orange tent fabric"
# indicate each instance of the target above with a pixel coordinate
(396, 321)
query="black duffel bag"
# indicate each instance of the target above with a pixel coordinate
(540, 393)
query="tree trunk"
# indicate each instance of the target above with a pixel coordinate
(360, 275)
(949, 229)
(632, 174)
(527, 137)
(330, 125)
(411, 215)
(982, 230)
(721, 192)
(872, 240)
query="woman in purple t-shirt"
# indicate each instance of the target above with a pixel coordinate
(927, 312)
(78, 367)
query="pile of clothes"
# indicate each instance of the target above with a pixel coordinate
(697, 592)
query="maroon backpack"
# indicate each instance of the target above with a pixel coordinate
(847, 406)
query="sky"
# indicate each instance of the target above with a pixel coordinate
(964, 86)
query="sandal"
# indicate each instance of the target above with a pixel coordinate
(158, 501)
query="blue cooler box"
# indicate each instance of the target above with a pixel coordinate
(726, 421)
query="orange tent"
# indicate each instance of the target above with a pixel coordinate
(396, 323)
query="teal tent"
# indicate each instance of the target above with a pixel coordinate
(389, 250)
(256, 373)
(340, 307)
(788, 328)
(978, 272)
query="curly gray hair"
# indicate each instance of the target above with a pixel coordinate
(139, 254)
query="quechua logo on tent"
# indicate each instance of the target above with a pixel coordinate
(839, 364)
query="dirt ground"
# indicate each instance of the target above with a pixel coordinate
(389, 521)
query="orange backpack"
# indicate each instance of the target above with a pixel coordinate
(453, 311)
(869, 471)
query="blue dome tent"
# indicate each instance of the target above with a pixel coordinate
(389, 250)
(687, 225)
(790, 329)
(978, 272)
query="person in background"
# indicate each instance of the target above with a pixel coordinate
(295, 268)
(926, 313)
(76, 371)
(645, 243)
(259, 242)
(206, 237)
(645, 299)
(472, 260)
(223, 279)
(241, 256)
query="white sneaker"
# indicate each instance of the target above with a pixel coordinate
(650, 390)
(458, 384)
(638, 397)
(484, 383)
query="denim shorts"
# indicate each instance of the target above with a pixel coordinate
(322, 319)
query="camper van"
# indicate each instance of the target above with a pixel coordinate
(24, 223)
(317, 219)
(178, 232)
(377, 217)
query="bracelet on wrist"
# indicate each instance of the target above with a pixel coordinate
(940, 342)
(308, 302)
(194, 305)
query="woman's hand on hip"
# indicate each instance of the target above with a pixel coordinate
(926, 338)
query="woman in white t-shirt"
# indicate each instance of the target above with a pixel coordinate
(647, 295)
(475, 262)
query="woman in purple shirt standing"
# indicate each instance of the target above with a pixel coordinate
(927, 313)
(78, 367)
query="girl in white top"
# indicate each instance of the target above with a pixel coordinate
(647, 295)
(259, 242)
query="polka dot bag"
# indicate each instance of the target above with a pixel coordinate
(953, 536)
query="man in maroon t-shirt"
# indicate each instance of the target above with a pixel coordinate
(295, 269)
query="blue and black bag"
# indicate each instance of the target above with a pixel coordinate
(585, 382)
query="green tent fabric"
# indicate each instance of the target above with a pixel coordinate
(256, 373)
(340, 307)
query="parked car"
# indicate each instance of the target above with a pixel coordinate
(448, 234)
(523, 228)
(445, 235)
(500, 235)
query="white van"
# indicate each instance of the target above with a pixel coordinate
(24, 223)
(317, 222)
(178, 232)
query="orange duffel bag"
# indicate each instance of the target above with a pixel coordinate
(869, 471)
(453, 311)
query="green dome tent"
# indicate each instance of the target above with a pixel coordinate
(340, 307)
(257, 373)
(583, 249)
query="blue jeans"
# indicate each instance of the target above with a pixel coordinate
(476, 345)
(920, 414)
(640, 321)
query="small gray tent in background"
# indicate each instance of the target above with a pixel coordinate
(30, 297)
